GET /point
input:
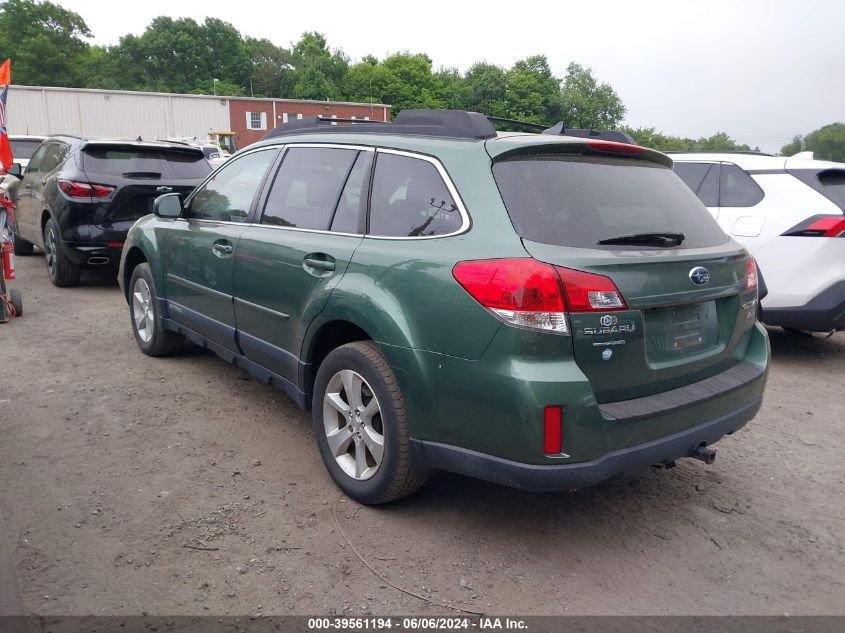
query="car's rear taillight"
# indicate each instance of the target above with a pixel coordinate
(75, 189)
(521, 292)
(588, 292)
(531, 294)
(750, 273)
(819, 226)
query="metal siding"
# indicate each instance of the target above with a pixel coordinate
(102, 113)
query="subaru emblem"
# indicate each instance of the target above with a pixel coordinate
(164, 189)
(700, 276)
(607, 353)
(607, 320)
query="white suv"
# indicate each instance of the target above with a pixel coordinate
(790, 214)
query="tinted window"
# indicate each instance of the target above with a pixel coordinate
(577, 201)
(347, 216)
(37, 158)
(56, 153)
(145, 163)
(307, 187)
(229, 194)
(708, 193)
(410, 199)
(830, 183)
(692, 173)
(24, 148)
(738, 189)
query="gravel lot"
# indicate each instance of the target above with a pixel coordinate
(181, 486)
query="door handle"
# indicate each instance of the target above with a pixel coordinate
(222, 248)
(326, 265)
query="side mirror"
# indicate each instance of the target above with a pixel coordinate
(168, 205)
(15, 170)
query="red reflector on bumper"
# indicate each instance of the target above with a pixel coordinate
(114, 244)
(553, 430)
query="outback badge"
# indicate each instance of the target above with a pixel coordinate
(700, 276)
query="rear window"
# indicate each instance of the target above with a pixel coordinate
(830, 183)
(24, 149)
(145, 163)
(579, 200)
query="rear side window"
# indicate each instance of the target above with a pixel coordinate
(830, 183)
(738, 189)
(56, 153)
(308, 186)
(579, 200)
(410, 199)
(24, 148)
(692, 173)
(140, 163)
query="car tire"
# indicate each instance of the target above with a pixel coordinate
(21, 246)
(16, 299)
(62, 271)
(145, 316)
(349, 444)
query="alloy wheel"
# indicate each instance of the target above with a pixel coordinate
(353, 425)
(142, 310)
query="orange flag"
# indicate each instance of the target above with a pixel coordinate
(6, 157)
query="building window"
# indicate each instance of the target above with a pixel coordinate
(290, 116)
(256, 120)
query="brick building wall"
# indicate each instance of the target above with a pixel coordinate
(266, 114)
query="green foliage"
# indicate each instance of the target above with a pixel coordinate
(793, 147)
(588, 104)
(650, 137)
(316, 72)
(828, 142)
(45, 43)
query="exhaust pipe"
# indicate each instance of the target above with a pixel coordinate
(97, 261)
(704, 454)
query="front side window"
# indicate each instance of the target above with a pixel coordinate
(410, 199)
(229, 194)
(34, 165)
(737, 188)
(308, 187)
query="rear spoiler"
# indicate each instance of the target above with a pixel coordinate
(586, 147)
(141, 145)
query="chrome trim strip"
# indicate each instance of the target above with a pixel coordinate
(250, 304)
(361, 148)
(191, 285)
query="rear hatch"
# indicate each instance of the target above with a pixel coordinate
(620, 212)
(139, 173)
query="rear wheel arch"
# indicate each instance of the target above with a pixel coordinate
(329, 336)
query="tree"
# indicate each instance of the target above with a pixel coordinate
(792, 148)
(485, 89)
(828, 142)
(403, 80)
(650, 137)
(267, 64)
(316, 72)
(587, 103)
(45, 42)
(533, 93)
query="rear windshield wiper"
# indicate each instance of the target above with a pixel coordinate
(647, 239)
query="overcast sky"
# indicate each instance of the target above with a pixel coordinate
(762, 71)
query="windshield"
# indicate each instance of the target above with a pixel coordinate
(581, 200)
(152, 162)
(24, 148)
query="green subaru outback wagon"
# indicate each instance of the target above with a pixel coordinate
(543, 311)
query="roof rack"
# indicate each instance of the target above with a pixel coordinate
(445, 123)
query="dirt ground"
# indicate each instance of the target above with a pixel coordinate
(180, 486)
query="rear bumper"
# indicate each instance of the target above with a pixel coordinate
(93, 253)
(583, 474)
(825, 312)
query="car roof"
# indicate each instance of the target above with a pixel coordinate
(756, 161)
